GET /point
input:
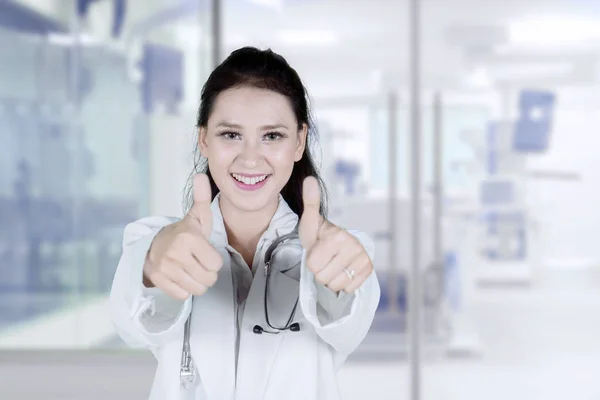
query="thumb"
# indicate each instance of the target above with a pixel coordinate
(311, 219)
(201, 210)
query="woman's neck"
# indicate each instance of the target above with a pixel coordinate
(244, 228)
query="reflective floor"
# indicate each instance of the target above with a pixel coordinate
(539, 343)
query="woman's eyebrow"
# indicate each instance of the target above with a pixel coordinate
(275, 126)
(225, 124)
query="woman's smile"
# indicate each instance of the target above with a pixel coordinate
(250, 181)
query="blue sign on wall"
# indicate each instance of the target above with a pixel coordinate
(532, 130)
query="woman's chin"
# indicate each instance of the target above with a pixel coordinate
(251, 203)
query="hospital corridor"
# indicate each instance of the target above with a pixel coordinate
(459, 136)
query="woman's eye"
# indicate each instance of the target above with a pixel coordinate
(230, 135)
(273, 136)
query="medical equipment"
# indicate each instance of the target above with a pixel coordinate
(188, 369)
(294, 327)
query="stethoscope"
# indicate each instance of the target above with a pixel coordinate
(188, 369)
(292, 326)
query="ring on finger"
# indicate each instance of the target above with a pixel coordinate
(350, 272)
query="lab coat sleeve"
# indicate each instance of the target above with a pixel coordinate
(143, 317)
(342, 320)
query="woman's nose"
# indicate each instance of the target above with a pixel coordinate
(251, 155)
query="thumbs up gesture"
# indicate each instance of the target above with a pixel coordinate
(336, 258)
(181, 261)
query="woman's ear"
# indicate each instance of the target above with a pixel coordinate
(202, 144)
(301, 144)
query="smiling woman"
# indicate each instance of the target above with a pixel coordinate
(256, 97)
(252, 156)
(189, 289)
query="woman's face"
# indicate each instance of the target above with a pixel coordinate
(251, 142)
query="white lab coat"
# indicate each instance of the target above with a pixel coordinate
(291, 365)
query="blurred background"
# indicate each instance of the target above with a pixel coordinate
(98, 100)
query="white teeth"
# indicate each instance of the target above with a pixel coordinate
(249, 181)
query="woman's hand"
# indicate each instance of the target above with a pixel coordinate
(181, 261)
(336, 258)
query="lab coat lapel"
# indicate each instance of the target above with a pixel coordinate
(213, 342)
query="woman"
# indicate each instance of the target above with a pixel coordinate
(257, 183)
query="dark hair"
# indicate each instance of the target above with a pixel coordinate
(263, 69)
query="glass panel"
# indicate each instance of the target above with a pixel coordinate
(520, 271)
(354, 134)
(78, 127)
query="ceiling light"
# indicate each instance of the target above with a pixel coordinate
(531, 70)
(307, 37)
(61, 39)
(479, 78)
(553, 31)
(277, 4)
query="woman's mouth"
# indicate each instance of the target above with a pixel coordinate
(250, 182)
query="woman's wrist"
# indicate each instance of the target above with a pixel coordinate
(145, 280)
(148, 261)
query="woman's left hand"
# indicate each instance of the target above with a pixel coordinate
(336, 258)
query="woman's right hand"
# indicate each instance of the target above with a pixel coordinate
(181, 261)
